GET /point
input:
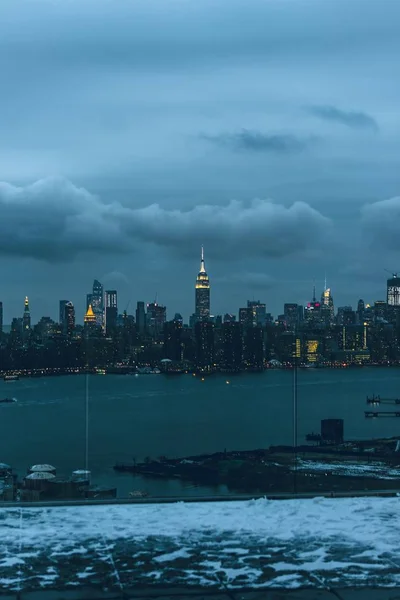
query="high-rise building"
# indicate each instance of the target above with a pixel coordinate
(26, 318)
(258, 312)
(155, 319)
(173, 348)
(254, 348)
(69, 319)
(232, 340)
(98, 302)
(61, 313)
(1, 318)
(204, 336)
(393, 290)
(327, 307)
(345, 316)
(110, 311)
(140, 317)
(202, 292)
(246, 317)
(291, 313)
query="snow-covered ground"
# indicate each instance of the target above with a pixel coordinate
(287, 543)
(376, 470)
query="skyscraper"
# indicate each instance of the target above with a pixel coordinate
(202, 292)
(110, 311)
(26, 318)
(258, 312)
(204, 335)
(69, 319)
(155, 319)
(393, 290)
(140, 317)
(61, 317)
(327, 307)
(98, 302)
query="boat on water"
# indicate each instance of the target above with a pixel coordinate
(11, 377)
(7, 400)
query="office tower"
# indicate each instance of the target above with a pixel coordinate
(202, 292)
(380, 310)
(1, 318)
(232, 342)
(110, 311)
(61, 313)
(228, 318)
(98, 302)
(26, 318)
(155, 319)
(140, 317)
(312, 312)
(258, 312)
(327, 307)
(204, 337)
(393, 291)
(246, 317)
(69, 319)
(291, 314)
(345, 316)
(254, 348)
(173, 347)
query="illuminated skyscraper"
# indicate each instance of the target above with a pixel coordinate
(327, 308)
(393, 290)
(69, 319)
(202, 301)
(98, 302)
(26, 318)
(111, 311)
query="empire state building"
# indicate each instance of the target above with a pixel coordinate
(202, 308)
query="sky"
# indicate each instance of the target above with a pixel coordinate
(133, 132)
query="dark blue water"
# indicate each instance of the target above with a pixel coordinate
(153, 415)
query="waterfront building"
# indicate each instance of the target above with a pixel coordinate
(202, 292)
(110, 311)
(173, 348)
(97, 302)
(155, 319)
(393, 290)
(26, 319)
(204, 337)
(257, 311)
(140, 317)
(232, 344)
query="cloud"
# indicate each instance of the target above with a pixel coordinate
(352, 119)
(252, 281)
(54, 220)
(381, 223)
(256, 141)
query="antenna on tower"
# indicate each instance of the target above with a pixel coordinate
(313, 296)
(392, 273)
(155, 300)
(325, 283)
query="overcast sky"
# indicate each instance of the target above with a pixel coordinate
(131, 132)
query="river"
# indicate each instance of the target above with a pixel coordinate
(154, 415)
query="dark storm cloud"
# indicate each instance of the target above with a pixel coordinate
(256, 141)
(350, 118)
(381, 224)
(54, 220)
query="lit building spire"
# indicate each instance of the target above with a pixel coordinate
(26, 304)
(202, 301)
(202, 266)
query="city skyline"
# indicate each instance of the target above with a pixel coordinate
(275, 147)
(103, 302)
